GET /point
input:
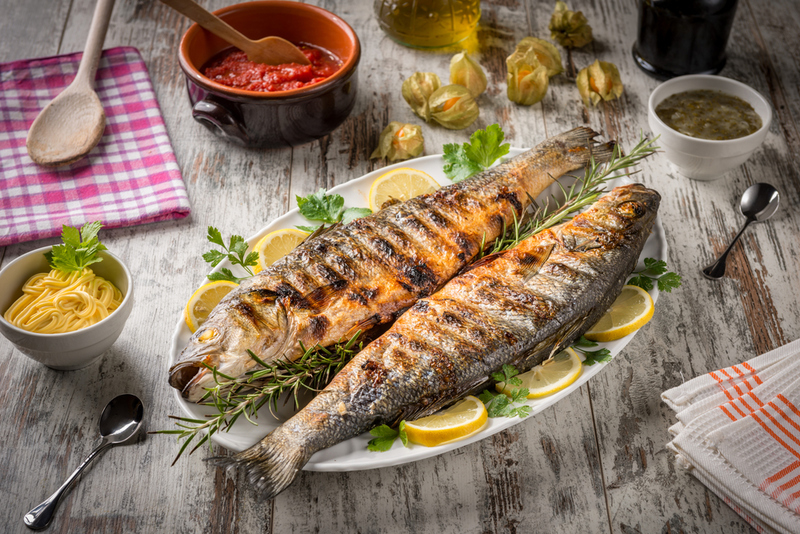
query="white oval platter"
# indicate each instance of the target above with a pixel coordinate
(352, 455)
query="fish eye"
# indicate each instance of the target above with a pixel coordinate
(631, 209)
(208, 335)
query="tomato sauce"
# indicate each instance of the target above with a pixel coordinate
(232, 68)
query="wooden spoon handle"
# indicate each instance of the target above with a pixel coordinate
(94, 43)
(211, 22)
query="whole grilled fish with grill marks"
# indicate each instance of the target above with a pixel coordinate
(517, 307)
(366, 272)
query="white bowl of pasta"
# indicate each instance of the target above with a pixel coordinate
(74, 349)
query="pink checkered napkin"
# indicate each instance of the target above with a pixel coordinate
(130, 177)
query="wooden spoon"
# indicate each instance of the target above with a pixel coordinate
(269, 50)
(73, 122)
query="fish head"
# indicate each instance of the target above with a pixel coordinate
(225, 342)
(628, 208)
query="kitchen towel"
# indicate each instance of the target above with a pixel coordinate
(131, 176)
(739, 434)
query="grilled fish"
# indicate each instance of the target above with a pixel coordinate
(518, 308)
(368, 271)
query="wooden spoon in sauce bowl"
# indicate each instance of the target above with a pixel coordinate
(269, 50)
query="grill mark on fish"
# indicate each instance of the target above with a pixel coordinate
(414, 277)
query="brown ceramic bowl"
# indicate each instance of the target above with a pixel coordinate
(284, 118)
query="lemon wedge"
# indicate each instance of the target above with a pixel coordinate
(631, 311)
(276, 245)
(548, 377)
(400, 184)
(203, 301)
(459, 421)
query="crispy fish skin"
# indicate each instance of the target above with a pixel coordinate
(370, 270)
(516, 308)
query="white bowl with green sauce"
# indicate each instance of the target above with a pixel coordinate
(708, 159)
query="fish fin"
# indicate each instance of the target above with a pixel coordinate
(486, 260)
(531, 262)
(581, 138)
(416, 411)
(270, 465)
(363, 326)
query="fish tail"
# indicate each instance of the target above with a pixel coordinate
(581, 146)
(270, 465)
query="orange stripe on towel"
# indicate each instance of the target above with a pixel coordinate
(755, 376)
(719, 381)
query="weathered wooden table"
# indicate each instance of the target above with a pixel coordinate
(595, 462)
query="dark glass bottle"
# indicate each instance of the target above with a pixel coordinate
(678, 37)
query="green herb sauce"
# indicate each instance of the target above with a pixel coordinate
(709, 114)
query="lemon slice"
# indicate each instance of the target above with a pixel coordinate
(548, 377)
(459, 421)
(631, 311)
(276, 245)
(400, 184)
(203, 301)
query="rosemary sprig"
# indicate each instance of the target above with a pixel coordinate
(583, 192)
(234, 398)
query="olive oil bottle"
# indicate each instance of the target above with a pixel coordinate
(428, 23)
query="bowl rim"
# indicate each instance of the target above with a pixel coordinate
(765, 120)
(347, 67)
(82, 331)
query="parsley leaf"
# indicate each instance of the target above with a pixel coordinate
(235, 252)
(596, 356)
(655, 271)
(320, 206)
(457, 165)
(385, 437)
(591, 356)
(351, 214)
(484, 148)
(502, 405)
(309, 229)
(79, 250)
(655, 267)
(668, 282)
(402, 431)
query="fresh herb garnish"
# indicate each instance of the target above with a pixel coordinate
(385, 437)
(484, 148)
(592, 356)
(502, 405)
(351, 214)
(80, 248)
(233, 398)
(655, 270)
(235, 252)
(580, 194)
(321, 206)
(309, 229)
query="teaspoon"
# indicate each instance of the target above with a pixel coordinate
(119, 422)
(759, 203)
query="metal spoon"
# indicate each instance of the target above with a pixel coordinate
(759, 203)
(119, 422)
(269, 50)
(72, 124)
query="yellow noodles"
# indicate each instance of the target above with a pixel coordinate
(57, 302)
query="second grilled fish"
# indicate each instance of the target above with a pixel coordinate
(516, 308)
(368, 271)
